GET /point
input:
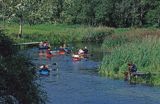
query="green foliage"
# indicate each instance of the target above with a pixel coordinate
(6, 45)
(115, 13)
(17, 78)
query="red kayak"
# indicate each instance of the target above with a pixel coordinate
(76, 59)
(61, 52)
(49, 55)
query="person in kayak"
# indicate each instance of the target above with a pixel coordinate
(85, 50)
(44, 67)
(61, 49)
(48, 51)
(41, 45)
(80, 51)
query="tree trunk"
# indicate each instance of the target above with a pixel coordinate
(3, 22)
(158, 22)
(3, 10)
(20, 27)
(141, 17)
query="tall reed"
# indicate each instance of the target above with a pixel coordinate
(144, 52)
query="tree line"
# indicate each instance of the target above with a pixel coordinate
(114, 13)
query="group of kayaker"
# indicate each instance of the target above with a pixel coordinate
(45, 49)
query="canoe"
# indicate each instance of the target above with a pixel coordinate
(44, 72)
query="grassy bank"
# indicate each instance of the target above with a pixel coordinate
(58, 33)
(140, 46)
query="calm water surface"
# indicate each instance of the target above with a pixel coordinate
(77, 82)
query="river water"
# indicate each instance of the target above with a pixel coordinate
(77, 82)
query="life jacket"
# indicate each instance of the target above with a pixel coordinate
(85, 51)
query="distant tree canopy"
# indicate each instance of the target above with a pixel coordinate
(116, 13)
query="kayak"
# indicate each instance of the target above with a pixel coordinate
(44, 72)
(49, 55)
(67, 50)
(43, 48)
(85, 55)
(61, 52)
(76, 58)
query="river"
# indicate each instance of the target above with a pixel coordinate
(78, 83)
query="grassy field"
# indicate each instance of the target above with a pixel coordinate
(140, 46)
(59, 33)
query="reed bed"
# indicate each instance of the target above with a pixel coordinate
(122, 36)
(140, 46)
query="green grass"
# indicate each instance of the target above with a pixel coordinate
(121, 36)
(141, 46)
(58, 33)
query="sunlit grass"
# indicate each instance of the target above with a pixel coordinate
(59, 33)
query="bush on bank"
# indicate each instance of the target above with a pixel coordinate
(17, 78)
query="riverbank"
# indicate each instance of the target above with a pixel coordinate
(139, 46)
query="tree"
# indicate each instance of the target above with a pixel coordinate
(153, 15)
(20, 9)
